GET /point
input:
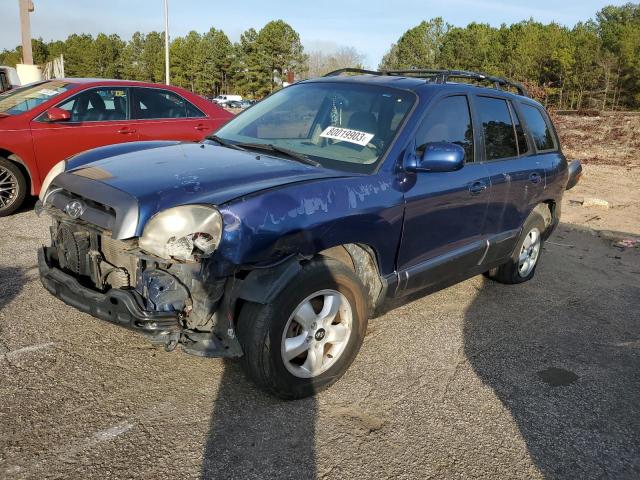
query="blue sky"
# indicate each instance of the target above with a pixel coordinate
(370, 26)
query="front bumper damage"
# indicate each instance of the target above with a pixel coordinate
(122, 307)
(171, 304)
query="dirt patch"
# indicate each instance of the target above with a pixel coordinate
(601, 140)
(609, 148)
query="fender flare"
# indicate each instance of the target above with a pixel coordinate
(262, 285)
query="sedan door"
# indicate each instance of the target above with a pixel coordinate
(445, 211)
(164, 115)
(99, 116)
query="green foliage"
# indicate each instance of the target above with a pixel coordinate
(594, 65)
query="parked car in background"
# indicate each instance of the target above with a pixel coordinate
(233, 104)
(8, 78)
(224, 99)
(45, 122)
(329, 202)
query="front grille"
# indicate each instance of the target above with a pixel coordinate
(93, 212)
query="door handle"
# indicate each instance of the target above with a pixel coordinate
(477, 188)
(126, 130)
(200, 127)
(534, 177)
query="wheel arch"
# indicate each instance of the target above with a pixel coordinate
(21, 164)
(261, 285)
(550, 212)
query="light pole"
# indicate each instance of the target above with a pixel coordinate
(166, 42)
(26, 7)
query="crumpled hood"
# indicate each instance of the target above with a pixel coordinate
(168, 174)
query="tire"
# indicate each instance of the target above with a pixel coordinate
(513, 271)
(263, 329)
(13, 187)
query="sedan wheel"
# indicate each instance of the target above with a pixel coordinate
(8, 188)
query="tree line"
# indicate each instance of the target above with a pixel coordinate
(595, 64)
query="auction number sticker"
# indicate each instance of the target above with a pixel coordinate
(347, 135)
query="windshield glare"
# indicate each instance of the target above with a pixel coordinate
(26, 98)
(342, 126)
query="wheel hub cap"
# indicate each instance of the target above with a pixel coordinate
(316, 333)
(529, 253)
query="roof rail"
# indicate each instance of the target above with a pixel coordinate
(439, 76)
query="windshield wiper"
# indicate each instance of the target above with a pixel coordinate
(270, 147)
(224, 143)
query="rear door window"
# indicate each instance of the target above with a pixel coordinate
(449, 121)
(538, 127)
(155, 103)
(497, 127)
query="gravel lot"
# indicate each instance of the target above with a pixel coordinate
(479, 380)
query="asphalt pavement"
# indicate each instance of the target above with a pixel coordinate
(480, 380)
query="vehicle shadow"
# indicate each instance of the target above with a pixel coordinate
(12, 279)
(254, 435)
(562, 353)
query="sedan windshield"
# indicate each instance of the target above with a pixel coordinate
(346, 126)
(26, 98)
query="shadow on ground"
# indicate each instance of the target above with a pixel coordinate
(254, 435)
(12, 280)
(565, 363)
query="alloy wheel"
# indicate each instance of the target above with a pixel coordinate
(8, 188)
(316, 333)
(529, 253)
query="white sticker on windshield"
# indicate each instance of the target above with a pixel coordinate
(48, 92)
(347, 135)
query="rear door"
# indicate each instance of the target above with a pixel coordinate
(99, 116)
(517, 176)
(164, 115)
(445, 211)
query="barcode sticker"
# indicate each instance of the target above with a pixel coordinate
(347, 135)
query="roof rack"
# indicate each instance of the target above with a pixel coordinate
(439, 76)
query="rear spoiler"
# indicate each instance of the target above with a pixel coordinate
(575, 172)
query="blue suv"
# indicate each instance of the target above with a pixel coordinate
(329, 202)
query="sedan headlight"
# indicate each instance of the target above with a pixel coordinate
(57, 169)
(183, 232)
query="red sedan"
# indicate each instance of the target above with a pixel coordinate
(46, 122)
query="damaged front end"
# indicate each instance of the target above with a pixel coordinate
(170, 301)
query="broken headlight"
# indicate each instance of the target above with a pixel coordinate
(183, 232)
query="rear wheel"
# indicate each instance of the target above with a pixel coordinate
(13, 187)
(522, 264)
(306, 338)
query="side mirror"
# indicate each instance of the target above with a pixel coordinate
(55, 114)
(438, 157)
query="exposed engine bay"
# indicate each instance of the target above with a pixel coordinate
(101, 263)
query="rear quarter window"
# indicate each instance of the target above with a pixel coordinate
(539, 127)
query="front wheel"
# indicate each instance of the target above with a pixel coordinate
(13, 187)
(522, 264)
(306, 338)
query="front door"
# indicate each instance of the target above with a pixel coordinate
(445, 211)
(99, 116)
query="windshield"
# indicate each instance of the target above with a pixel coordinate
(339, 125)
(24, 99)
